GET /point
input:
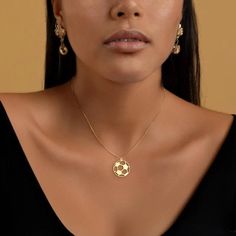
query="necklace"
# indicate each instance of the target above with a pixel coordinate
(121, 167)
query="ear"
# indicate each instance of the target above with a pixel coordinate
(57, 9)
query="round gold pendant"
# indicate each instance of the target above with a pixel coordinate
(121, 168)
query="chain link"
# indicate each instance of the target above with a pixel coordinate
(100, 141)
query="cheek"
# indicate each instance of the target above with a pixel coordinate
(83, 21)
(165, 20)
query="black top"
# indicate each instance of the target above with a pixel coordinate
(25, 210)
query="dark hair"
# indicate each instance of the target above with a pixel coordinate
(180, 73)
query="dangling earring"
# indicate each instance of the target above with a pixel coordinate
(177, 48)
(61, 33)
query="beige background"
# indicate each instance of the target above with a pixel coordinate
(23, 43)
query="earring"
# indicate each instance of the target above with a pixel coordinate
(61, 33)
(177, 48)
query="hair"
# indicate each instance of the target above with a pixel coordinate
(180, 73)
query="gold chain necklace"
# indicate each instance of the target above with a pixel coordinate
(121, 168)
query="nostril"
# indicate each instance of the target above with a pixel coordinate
(120, 13)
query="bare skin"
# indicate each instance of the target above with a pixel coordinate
(75, 173)
(120, 94)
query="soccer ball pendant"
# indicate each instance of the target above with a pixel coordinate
(121, 168)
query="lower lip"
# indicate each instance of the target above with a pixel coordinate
(123, 46)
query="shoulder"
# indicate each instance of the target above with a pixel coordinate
(18, 104)
(32, 101)
(35, 108)
(218, 125)
(17, 112)
(222, 131)
(198, 122)
(199, 116)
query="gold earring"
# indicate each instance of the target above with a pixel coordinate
(180, 32)
(61, 33)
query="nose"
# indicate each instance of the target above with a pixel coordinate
(126, 9)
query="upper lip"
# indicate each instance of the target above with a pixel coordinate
(127, 34)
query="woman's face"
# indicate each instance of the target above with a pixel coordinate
(89, 22)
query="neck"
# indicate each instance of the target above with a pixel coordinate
(119, 113)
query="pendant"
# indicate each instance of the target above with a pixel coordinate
(121, 168)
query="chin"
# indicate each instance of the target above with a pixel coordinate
(126, 78)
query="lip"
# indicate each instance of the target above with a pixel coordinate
(126, 47)
(140, 41)
(127, 34)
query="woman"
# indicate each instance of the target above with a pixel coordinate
(117, 143)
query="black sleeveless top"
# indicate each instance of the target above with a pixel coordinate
(25, 210)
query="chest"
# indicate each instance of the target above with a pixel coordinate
(89, 199)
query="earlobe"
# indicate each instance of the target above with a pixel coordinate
(57, 10)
